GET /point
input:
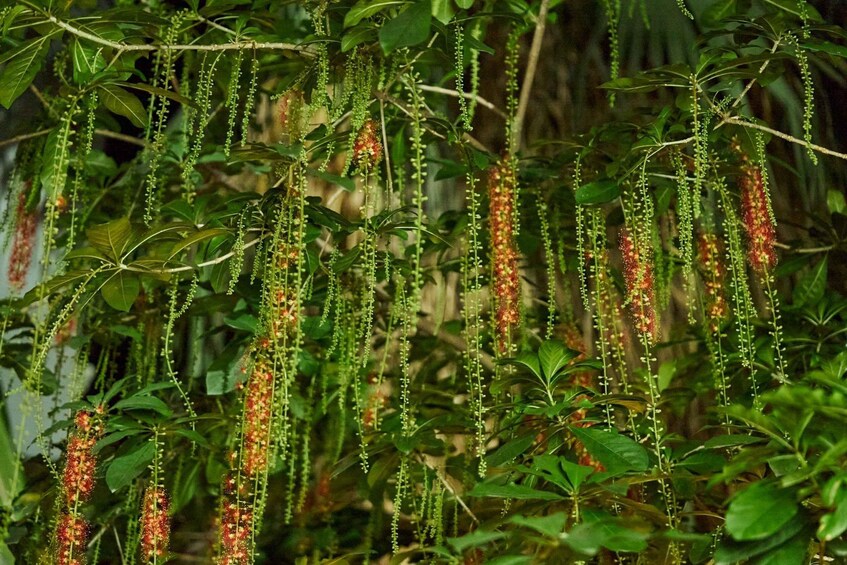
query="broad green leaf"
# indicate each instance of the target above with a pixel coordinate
(442, 10)
(11, 478)
(554, 357)
(357, 35)
(835, 523)
(409, 28)
(597, 192)
(589, 537)
(111, 238)
(86, 253)
(124, 104)
(196, 237)
(510, 450)
(346, 183)
(88, 60)
(144, 402)
(121, 290)
(811, 287)
(617, 453)
(530, 361)
(159, 92)
(22, 64)
(717, 11)
(730, 551)
(759, 511)
(551, 525)
(474, 539)
(367, 8)
(464, 4)
(797, 7)
(518, 492)
(126, 468)
(793, 552)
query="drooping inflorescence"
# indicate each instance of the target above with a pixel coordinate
(638, 275)
(77, 486)
(757, 219)
(258, 405)
(709, 251)
(506, 285)
(367, 148)
(155, 524)
(22, 244)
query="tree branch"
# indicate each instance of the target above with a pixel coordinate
(467, 95)
(531, 65)
(779, 134)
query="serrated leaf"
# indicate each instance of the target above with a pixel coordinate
(123, 103)
(126, 468)
(22, 64)
(617, 453)
(111, 238)
(759, 511)
(121, 290)
(409, 28)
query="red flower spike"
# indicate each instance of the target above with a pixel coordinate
(574, 340)
(22, 243)
(367, 148)
(80, 462)
(155, 523)
(506, 285)
(235, 532)
(71, 540)
(258, 406)
(756, 217)
(638, 275)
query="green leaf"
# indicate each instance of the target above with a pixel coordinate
(464, 4)
(811, 287)
(507, 452)
(121, 290)
(442, 10)
(798, 8)
(346, 183)
(716, 12)
(835, 523)
(617, 453)
(196, 238)
(408, 29)
(126, 468)
(554, 357)
(551, 525)
(759, 511)
(144, 402)
(356, 36)
(111, 238)
(597, 192)
(367, 8)
(589, 537)
(530, 361)
(124, 104)
(730, 551)
(88, 60)
(518, 492)
(474, 539)
(22, 64)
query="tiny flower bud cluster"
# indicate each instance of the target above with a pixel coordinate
(367, 148)
(756, 217)
(285, 313)
(638, 275)
(376, 400)
(22, 244)
(506, 285)
(155, 524)
(714, 273)
(290, 106)
(77, 486)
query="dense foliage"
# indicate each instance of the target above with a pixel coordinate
(448, 281)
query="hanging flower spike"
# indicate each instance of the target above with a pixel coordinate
(756, 216)
(236, 530)
(504, 255)
(638, 275)
(71, 539)
(290, 107)
(155, 524)
(22, 244)
(258, 405)
(714, 274)
(367, 149)
(573, 339)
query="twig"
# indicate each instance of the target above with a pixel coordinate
(185, 268)
(779, 134)
(124, 47)
(467, 95)
(753, 81)
(531, 65)
(24, 137)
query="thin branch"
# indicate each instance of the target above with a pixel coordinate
(24, 137)
(753, 81)
(185, 268)
(779, 134)
(531, 65)
(467, 95)
(178, 47)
